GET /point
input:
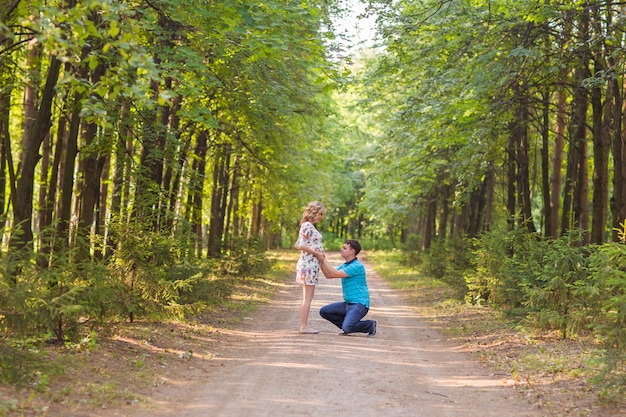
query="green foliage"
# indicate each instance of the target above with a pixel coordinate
(448, 261)
(202, 287)
(412, 247)
(502, 260)
(609, 272)
(547, 281)
(56, 298)
(560, 295)
(334, 243)
(148, 275)
(246, 257)
(16, 365)
(141, 264)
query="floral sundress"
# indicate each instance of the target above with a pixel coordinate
(308, 266)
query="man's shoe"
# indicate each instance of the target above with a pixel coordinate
(342, 333)
(373, 332)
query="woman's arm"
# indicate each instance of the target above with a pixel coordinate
(305, 248)
(306, 230)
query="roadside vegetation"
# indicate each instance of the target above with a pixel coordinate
(119, 363)
(565, 372)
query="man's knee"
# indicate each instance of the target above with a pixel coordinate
(347, 327)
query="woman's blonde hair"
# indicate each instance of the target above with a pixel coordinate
(311, 211)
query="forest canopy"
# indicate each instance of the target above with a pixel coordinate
(141, 137)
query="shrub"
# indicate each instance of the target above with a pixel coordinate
(448, 261)
(246, 256)
(141, 263)
(560, 295)
(609, 271)
(503, 261)
(57, 298)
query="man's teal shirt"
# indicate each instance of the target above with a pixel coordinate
(354, 286)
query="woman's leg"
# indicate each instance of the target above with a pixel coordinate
(307, 296)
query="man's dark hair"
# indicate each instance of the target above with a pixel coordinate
(354, 244)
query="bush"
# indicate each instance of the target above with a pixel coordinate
(560, 296)
(142, 263)
(547, 282)
(502, 260)
(609, 272)
(449, 261)
(246, 256)
(56, 298)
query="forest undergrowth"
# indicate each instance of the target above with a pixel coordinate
(119, 364)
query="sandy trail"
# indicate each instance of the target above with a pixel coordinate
(266, 368)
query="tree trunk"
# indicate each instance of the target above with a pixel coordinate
(256, 217)
(601, 149)
(490, 184)
(618, 203)
(581, 192)
(444, 211)
(47, 209)
(68, 164)
(159, 166)
(6, 159)
(198, 187)
(545, 165)
(23, 202)
(476, 207)
(462, 220)
(101, 208)
(618, 206)
(148, 180)
(121, 174)
(233, 201)
(511, 177)
(171, 178)
(430, 223)
(44, 199)
(121, 159)
(92, 165)
(580, 189)
(557, 164)
(523, 170)
(219, 196)
(576, 156)
(7, 83)
(33, 70)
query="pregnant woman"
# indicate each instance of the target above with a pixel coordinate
(309, 244)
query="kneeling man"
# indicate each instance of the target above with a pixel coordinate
(347, 315)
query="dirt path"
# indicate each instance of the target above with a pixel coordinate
(267, 369)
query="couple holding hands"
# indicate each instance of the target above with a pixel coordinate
(345, 315)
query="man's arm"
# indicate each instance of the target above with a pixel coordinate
(329, 271)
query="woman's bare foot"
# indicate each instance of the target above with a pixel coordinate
(308, 330)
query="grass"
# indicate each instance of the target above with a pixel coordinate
(562, 375)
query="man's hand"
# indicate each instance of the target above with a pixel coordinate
(329, 271)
